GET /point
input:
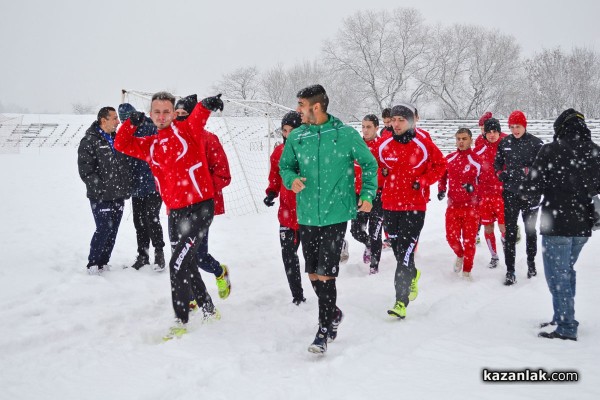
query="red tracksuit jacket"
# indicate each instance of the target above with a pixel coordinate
(176, 156)
(373, 145)
(489, 184)
(463, 167)
(287, 199)
(218, 167)
(419, 160)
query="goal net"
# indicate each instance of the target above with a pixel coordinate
(249, 130)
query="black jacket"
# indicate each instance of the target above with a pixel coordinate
(567, 173)
(105, 171)
(514, 159)
(143, 182)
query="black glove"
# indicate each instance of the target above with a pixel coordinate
(416, 185)
(269, 199)
(503, 176)
(213, 103)
(468, 187)
(441, 195)
(137, 118)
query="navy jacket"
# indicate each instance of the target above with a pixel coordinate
(143, 182)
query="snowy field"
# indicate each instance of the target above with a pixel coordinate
(66, 335)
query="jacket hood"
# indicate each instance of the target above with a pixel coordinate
(570, 126)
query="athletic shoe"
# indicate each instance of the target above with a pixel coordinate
(176, 331)
(387, 244)
(367, 255)
(414, 287)
(210, 312)
(373, 270)
(158, 268)
(319, 345)
(223, 283)
(344, 255)
(193, 306)
(398, 311)
(467, 276)
(531, 271)
(477, 239)
(518, 234)
(545, 324)
(140, 261)
(298, 300)
(159, 258)
(493, 263)
(339, 317)
(511, 279)
(556, 335)
(458, 264)
(95, 270)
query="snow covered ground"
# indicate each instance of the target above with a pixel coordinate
(67, 335)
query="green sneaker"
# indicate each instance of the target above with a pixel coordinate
(223, 283)
(399, 310)
(414, 287)
(176, 331)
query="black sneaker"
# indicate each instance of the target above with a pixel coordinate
(556, 335)
(339, 317)
(298, 300)
(159, 258)
(140, 261)
(511, 279)
(319, 345)
(531, 272)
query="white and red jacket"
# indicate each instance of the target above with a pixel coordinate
(464, 167)
(418, 160)
(287, 199)
(218, 167)
(373, 145)
(176, 156)
(489, 184)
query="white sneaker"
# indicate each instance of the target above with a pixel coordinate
(344, 255)
(158, 268)
(467, 276)
(458, 264)
(94, 270)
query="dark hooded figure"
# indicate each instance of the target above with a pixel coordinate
(565, 173)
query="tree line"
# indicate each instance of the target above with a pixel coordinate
(380, 58)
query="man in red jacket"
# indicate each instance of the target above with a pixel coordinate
(411, 163)
(480, 139)
(462, 216)
(289, 238)
(491, 203)
(177, 158)
(367, 227)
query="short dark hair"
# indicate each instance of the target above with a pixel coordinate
(373, 118)
(386, 113)
(105, 112)
(464, 130)
(163, 96)
(315, 94)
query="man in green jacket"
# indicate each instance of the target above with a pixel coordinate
(318, 165)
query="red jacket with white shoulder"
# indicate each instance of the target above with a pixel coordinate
(416, 159)
(489, 184)
(373, 145)
(464, 166)
(287, 199)
(177, 158)
(218, 167)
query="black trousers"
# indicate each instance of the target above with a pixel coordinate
(366, 228)
(513, 205)
(187, 228)
(322, 248)
(404, 228)
(290, 241)
(146, 219)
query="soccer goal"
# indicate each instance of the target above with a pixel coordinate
(249, 130)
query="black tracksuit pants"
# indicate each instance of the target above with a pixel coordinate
(146, 219)
(290, 241)
(366, 228)
(404, 228)
(513, 205)
(187, 228)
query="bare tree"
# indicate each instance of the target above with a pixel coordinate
(242, 83)
(82, 108)
(274, 85)
(474, 70)
(379, 53)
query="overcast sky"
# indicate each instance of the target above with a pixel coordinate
(56, 53)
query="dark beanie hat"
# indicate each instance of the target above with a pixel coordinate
(125, 111)
(404, 111)
(517, 118)
(486, 115)
(491, 124)
(292, 119)
(187, 103)
(571, 123)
